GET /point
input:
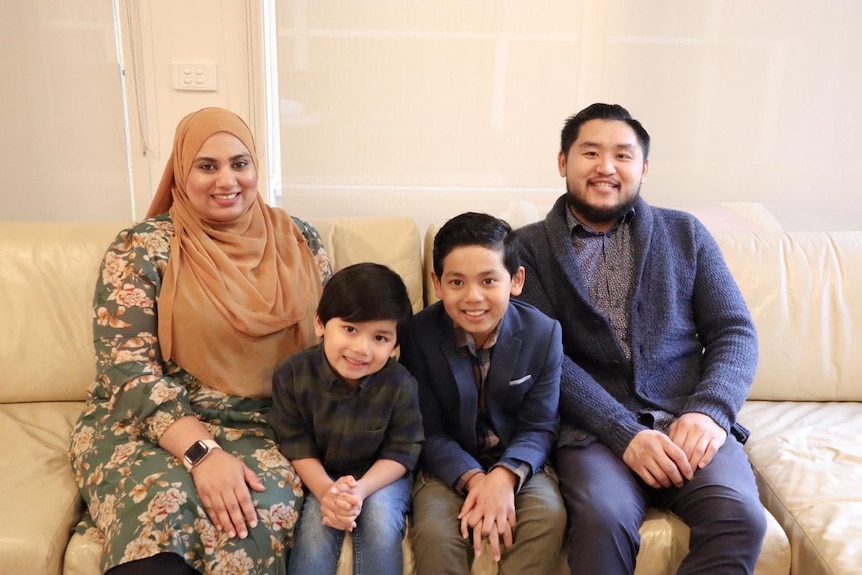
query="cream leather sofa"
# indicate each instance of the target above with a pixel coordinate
(805, 407)
(804, 291)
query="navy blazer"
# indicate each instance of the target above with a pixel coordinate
(522, 389)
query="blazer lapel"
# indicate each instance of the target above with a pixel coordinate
(505, 357)
(466, 399)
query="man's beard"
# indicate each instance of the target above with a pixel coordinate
(600, 214)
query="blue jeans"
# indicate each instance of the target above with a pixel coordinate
(376, 539)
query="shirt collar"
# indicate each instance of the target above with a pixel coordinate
(464, 339)
(573, 223)
(331, 377)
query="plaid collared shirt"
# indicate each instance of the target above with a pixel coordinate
(315, 414)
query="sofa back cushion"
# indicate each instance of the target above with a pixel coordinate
(804, 290)
(49, 274)
(46, 306)
(387, 240)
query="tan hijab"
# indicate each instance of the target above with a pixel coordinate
(237, 297)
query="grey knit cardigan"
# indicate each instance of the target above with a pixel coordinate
(694, 345)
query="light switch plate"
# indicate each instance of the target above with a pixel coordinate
(195, 76)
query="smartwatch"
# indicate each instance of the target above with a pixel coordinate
(198, 452)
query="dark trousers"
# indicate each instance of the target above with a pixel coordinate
(606, 502)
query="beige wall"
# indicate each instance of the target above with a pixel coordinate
(427, 109)
(62, 145)
(63, 142)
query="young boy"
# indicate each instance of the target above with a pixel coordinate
(488, 371)
(347, 416)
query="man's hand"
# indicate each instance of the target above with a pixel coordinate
(699, 436)
(657, 460)
(223, 482)
(489, 510)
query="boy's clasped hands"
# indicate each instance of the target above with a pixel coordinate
(341, 504)
(489, 510)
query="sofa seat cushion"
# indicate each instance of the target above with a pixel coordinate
(40, 499)
(808, 460)
(664, 544)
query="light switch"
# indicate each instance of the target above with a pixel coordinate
(195, 76)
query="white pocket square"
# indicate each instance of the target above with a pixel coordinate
(521, 380)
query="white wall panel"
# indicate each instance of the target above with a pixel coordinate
(428, 109)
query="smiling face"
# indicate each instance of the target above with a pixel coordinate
(357, 349)
(475, 288)
(604, 169)
(222, 181)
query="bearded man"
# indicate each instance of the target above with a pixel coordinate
(659, 354)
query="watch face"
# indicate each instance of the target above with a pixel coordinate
(196, 451)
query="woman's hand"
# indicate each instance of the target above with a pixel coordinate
(221, 479)
(223, 483)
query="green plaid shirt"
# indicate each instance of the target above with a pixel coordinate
(315, 414)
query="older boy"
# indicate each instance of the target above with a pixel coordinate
(488, 371)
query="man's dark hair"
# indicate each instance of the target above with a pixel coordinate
(366, 292)
(599, 111)
(475, 229)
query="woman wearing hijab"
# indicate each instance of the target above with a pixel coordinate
(194, 307)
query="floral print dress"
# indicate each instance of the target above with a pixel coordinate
(140, 499)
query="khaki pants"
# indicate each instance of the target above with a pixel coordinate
(439, 548)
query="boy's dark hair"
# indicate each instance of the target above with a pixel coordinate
(475, 229)
(366, 292)
(599, 111)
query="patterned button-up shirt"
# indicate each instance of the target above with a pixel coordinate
(606, 261)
